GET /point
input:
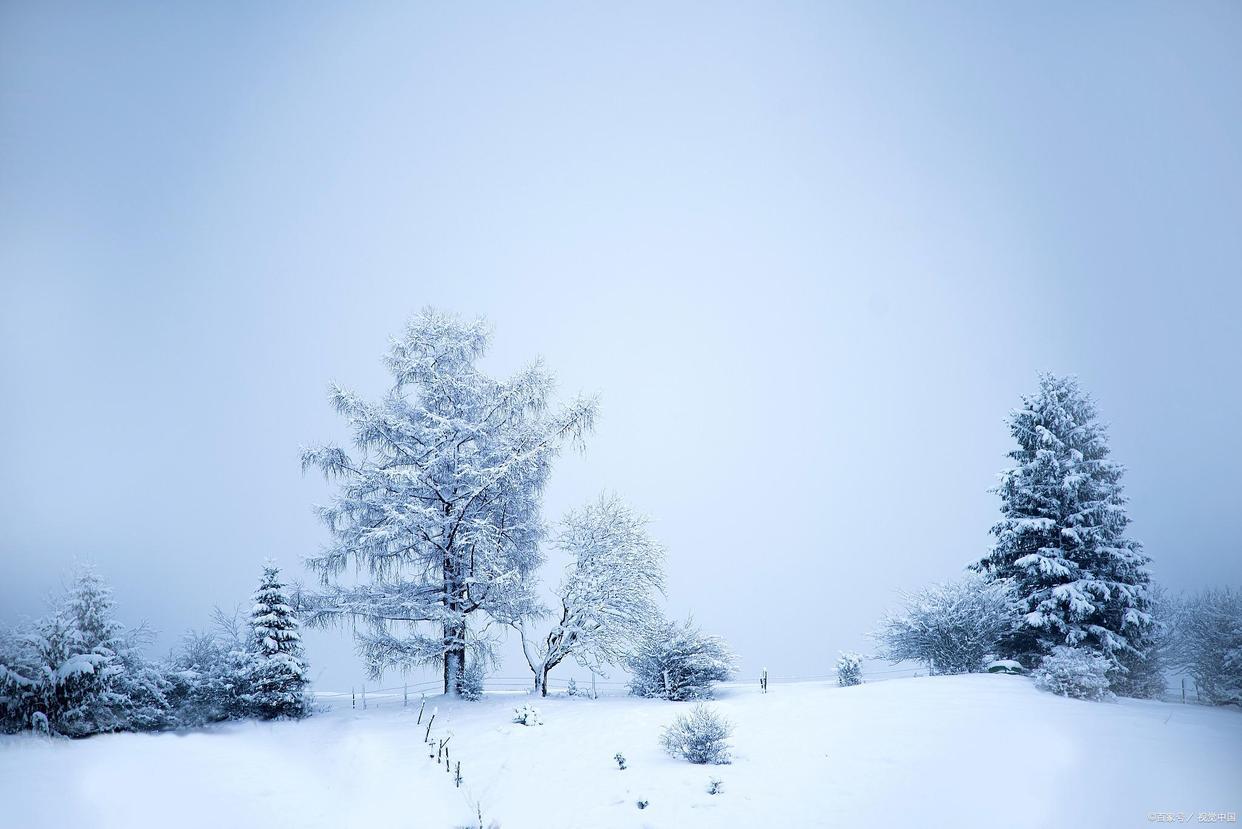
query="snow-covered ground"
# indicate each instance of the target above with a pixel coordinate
(977, 750)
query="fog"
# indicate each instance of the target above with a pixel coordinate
(808, 255)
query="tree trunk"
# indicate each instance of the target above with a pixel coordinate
(454, 657)
(543, 684)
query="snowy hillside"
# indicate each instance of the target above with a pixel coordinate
(977, 750)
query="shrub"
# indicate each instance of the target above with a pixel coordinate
(572, 688)
(1074, 672)
(700, 736)
(471, 686)
(849, 669)
(527, 715)
(620, 758)
(950, 628)
(676, 661)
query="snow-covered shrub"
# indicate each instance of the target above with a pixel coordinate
(620, 758)
(676, 661)
(571, 689)
(1074, 672)
(849, 669)
(701, 736)
(1206, 642)
(715, 785)
(471, 687)
(527, 715)
(951, 628)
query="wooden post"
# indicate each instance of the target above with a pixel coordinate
(594, 694)
(405, 695)
(364, 696)
(1183, 690)
(353, 698)
(421, 706)
(427, 735)
(763, 681)
(457, 779)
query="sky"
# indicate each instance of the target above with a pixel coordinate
(808, 255)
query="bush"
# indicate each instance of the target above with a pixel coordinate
(527, 715)
(951, 628)
(849, 669)
(676, 661)
(1074, 672)
(700, 736)
(471, 685)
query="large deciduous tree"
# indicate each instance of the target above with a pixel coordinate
(439, 505)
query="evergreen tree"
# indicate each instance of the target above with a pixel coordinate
(275, 682)
(1061, 542)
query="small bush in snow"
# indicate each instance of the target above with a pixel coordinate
(950, 628)
(620, 758)
(849, 669)
(715, 785)
(471, 686)
(642, 804)
(527, 715)
(676, 661)
(701, 736)
(572, 688)
(1074, 672)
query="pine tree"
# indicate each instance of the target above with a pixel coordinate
(276, 674)
(1061, 542)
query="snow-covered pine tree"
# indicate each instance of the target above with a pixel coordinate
(1061, 541)
(81, 669)
(441, 507)
(276, 676)
(607, 594)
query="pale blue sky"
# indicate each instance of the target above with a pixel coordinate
(808, 254)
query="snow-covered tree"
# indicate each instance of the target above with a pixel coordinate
(951, 628)
(439, 508)
(81, 669)
(606, 596)
(1074, 672)
(676, 661)
(275, 677)
(1061, 541)
(1207, 643)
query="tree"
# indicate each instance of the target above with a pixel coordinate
(849, 669)
(607, 594)
(677, 661)
(1207, 643)
(275, 676)
(81, 669)
(951, 628)
(1061, 541)
(440, 509)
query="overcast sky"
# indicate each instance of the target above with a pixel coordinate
(808, 255)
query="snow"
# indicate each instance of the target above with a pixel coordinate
(962, 751)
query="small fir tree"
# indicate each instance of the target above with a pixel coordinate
(276, 676)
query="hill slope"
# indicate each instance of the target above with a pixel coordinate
(944, 751)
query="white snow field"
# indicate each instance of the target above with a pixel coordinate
(979, 750)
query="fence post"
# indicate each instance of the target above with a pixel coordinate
(1183, 690)
(763, 681)
(405, 695)
(353, 698)
(364, 696)
(594, 695)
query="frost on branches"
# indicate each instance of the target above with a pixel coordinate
(438, 508)
(951, 628)
(676, 661)
(607, 594)
(275, 677)
(1207, 643)
(1062, 539)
